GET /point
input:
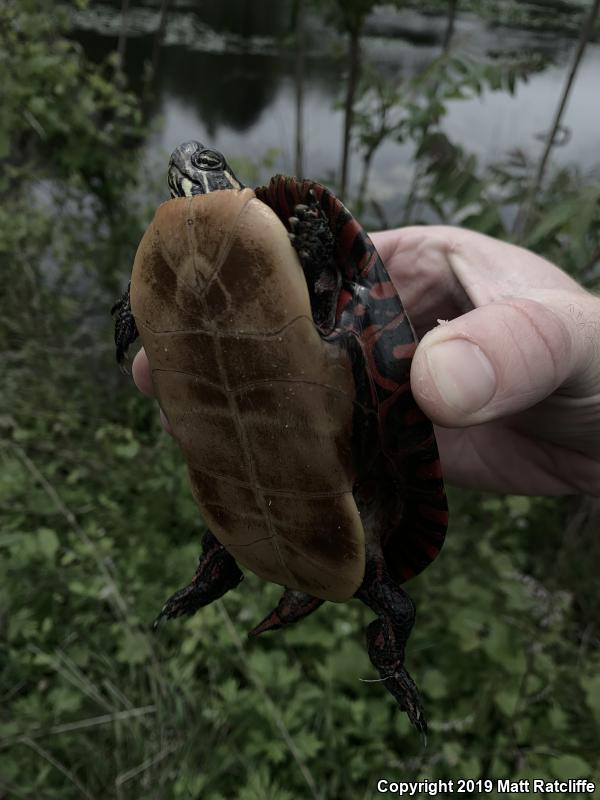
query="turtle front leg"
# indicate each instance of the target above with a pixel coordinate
(387, 636)
(216, 574)
(126, 331)
(314, 242)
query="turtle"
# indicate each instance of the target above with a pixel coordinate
(280, 354)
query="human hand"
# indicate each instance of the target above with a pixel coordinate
(523, 415)
(513, 378)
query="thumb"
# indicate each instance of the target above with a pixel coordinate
(493, 361)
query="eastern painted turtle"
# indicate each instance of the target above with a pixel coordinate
(280, 354)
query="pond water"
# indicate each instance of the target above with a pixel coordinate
(226, 78)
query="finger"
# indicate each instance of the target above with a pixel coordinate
(417, 261)
(142, 376)
(442, 271)
(490, 270)
(497, 458)
(386, 243)
(498, 360)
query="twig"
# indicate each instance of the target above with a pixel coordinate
(123, 777)
(383, 221)
(67, 727)
(60, 767)
(277, 718)
(71, 672)
(523, 217)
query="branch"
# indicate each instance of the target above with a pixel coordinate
(523, 217)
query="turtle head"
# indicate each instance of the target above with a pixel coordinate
(196, 169)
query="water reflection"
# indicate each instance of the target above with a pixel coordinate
(226, 76)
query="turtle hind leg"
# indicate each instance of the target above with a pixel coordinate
(126, 331)
(217, 573)
(292, 607)
(387, 636)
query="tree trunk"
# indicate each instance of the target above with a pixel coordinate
(159, 36)
(353, 77)
(299, 79)
(450, 19)
(122, 42)
(364, 181)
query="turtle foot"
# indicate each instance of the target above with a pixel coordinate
(311, 236)
(217, 573)
(396, 679)
(292, 607)
(181, 603)
(314, 243)
(404, 689)
(126, 331)
(388, 634)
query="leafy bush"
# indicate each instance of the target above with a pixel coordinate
(102, 529)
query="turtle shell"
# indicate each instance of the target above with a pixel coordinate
(260, 405)
(401, 474)
(296, 442)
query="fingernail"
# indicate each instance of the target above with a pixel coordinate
(462, 374)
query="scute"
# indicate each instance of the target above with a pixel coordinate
(261, 406)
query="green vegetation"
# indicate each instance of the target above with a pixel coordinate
(98, 526)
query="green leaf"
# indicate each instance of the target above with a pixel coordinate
(348, 664)
(591, 686)
(47, 542)
(128, 449)
(498, 643)
(434, 684)
(134, 648)
(65, 699)
(552, 221)
(506, 700)
(518, 505)
(558, 718)
(569, 766)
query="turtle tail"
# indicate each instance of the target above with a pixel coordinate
(292, 607)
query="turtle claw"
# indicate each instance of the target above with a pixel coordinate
(402, 686)
(217, 573)
(181, 603)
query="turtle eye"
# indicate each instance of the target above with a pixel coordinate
(209, 159)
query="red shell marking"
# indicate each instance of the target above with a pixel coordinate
(370, 310)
